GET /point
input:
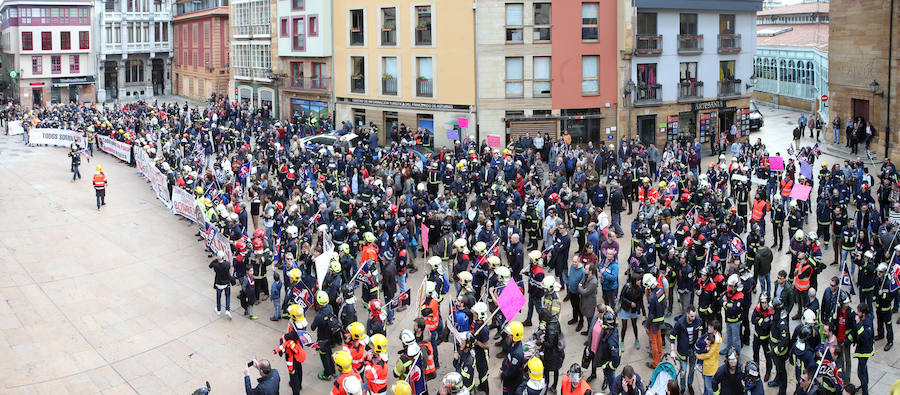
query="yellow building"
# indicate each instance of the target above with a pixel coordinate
(405, 62)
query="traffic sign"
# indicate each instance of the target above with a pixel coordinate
(824, 97)
(13, 74)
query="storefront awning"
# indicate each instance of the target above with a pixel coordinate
(66, 81)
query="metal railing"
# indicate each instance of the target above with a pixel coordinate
(358, 85)
(198, 5)
(729, 88)
(306, 83)
(388, 86)
(648, 94)
(690, 43)
(423, 36)
(424, 88)
(647, 44)
(690, 90)
(729, 43)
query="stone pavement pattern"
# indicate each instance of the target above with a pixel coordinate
(121, 301)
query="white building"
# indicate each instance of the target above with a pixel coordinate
(251, 53)
(136, 51)
(691, 67)
(48, 51)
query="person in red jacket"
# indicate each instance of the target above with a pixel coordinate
(100, 183)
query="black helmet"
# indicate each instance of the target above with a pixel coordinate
(347, 290)
(575, 374)
(844, 298)
(777, 304)
(751, 371)
(609, 319)
(805, 333)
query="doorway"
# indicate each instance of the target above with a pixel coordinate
(391, 121)
(647, 129)
(860, 108)
(73, 94)
(726, 119)
(111, 80)
(37, 97)
(159, 80)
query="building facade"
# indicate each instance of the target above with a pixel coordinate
(201, 48)
(136, 54)
(49, 51)
(690, 67)
(791, 61)
(253, 79)
(303, 64)
(406, 62)
(863, 68)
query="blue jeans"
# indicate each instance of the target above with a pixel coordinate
(707, 385)
(276, 310)
(390, 313)
(733, 330)
(401, 282)
(687, 371)
(852, 267)
(227, 291)
(617, 223)
(765, 279)
(75, 172)
(837, 135)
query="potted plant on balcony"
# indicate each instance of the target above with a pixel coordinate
(356, 76)
(422, 26)
(387, 77)
(421, 78)
(388, 27)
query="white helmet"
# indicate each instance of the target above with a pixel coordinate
(798, 234)
(503, 274)
(292, 231)
(809, 316)
(435, 262)
(733, 280)
(812, 236)
(882, 267)
(548, 283)
(481, 311)
(407, 337)
(649, 281)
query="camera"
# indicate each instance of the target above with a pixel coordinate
(251, 363)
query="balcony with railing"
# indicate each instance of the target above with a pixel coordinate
(389, 86)
(690, 91)
(424, 87)
(161, 46)
(729, 43)
(647, 95)
(254, 73)
(647, 44)
(306, 83)
(358, 84)
(690, 44)
(112, 48)
(138, 47)
(198, 5)
(729, 88)
(423, 35)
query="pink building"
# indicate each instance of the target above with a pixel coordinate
(48, 51)
(583, 69)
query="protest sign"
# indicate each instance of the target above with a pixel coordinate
(800, 192)
(511, 300)
(776, 163)
(56, 137)
(493, 141)
(115, 148)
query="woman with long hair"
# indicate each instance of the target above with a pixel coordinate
(632, 306)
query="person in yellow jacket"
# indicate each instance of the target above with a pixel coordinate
(710, 358)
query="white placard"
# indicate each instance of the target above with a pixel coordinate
(57, 137)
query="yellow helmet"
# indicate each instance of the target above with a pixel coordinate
(506, 151)
(343, 361)
(479, 246)
(335, 266)
(357, 330)
(99, 167)
(662, 184)
(322, 298)
(345, 248)
(535, 369)
(295, 274)
(296, 312)
(401, 388)
(494, 261)
(379, 343)
(465, 278)
(516, 330)
(207, 202)
(369, 237)
(198, 190)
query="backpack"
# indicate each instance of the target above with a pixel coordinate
(334, 325)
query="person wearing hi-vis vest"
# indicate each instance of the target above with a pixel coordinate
(100, 181)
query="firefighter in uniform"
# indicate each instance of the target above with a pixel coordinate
(884, 302)
(354, 345)
(376, 370)
(780, 337)
(535, 290)
(778, 217)
(762, 327)
(411, 362)
(100, 182)
(431, 312)
(511, 371)
(260, 262)
(733, 301)
(656, 315)
(344, 364)
(823, 218)
(482, 345)
(291, 348)
(535, 384)
(863, 337)
(608, 348)
(434, 178)
(464, 363)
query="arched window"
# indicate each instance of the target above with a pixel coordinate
(792, 71)
(810, 73)
(134, 71)
(782, 70)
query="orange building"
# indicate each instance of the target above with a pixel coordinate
(201, 48)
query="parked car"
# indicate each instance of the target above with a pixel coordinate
(756, 117)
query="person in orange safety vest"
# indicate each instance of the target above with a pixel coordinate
(354, 345)
(376, 366)
(573, 383)
(431, 312)
(100, 183)
(291, 347)
(344, 364)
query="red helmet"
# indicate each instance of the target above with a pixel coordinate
(688, 241)
(259, 233)
(394, 209)
(240, 245)
(554, 197)
(345, 189)
(279, 205)
(375, 306)
(258, 244)
(321, 177)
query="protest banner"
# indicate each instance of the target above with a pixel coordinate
(463, 122)
(800, 192)
(493, 141)
(776, 163)
(56, 137)
(452, 134)
(14, 127)
(115, 148)
(758, 181)
(183, 204)
(217, 242)
(424, 231)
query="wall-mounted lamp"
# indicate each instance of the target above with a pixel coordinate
(874, 87)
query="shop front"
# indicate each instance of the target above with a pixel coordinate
(708, 121)
(438, 119)
(72, 89)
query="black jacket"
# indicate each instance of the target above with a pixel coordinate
(268, 384)
(221, 269)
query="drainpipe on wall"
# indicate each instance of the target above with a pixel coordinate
(477, 56)
(887, 126)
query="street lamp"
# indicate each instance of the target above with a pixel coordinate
(874, 87)
(752, 82)
(629, 88)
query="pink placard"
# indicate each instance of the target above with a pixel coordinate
(511, 300)
(493, 141)
(425, 237)
(463, 122)
(776, 163)
(800, 192)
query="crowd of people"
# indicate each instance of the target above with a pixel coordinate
(692, 268)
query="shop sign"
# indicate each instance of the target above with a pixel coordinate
(401, 104)
(708, 105)
(62, 82)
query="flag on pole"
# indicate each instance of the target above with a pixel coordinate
(895, 277)
(737, 245)
(847, 281)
